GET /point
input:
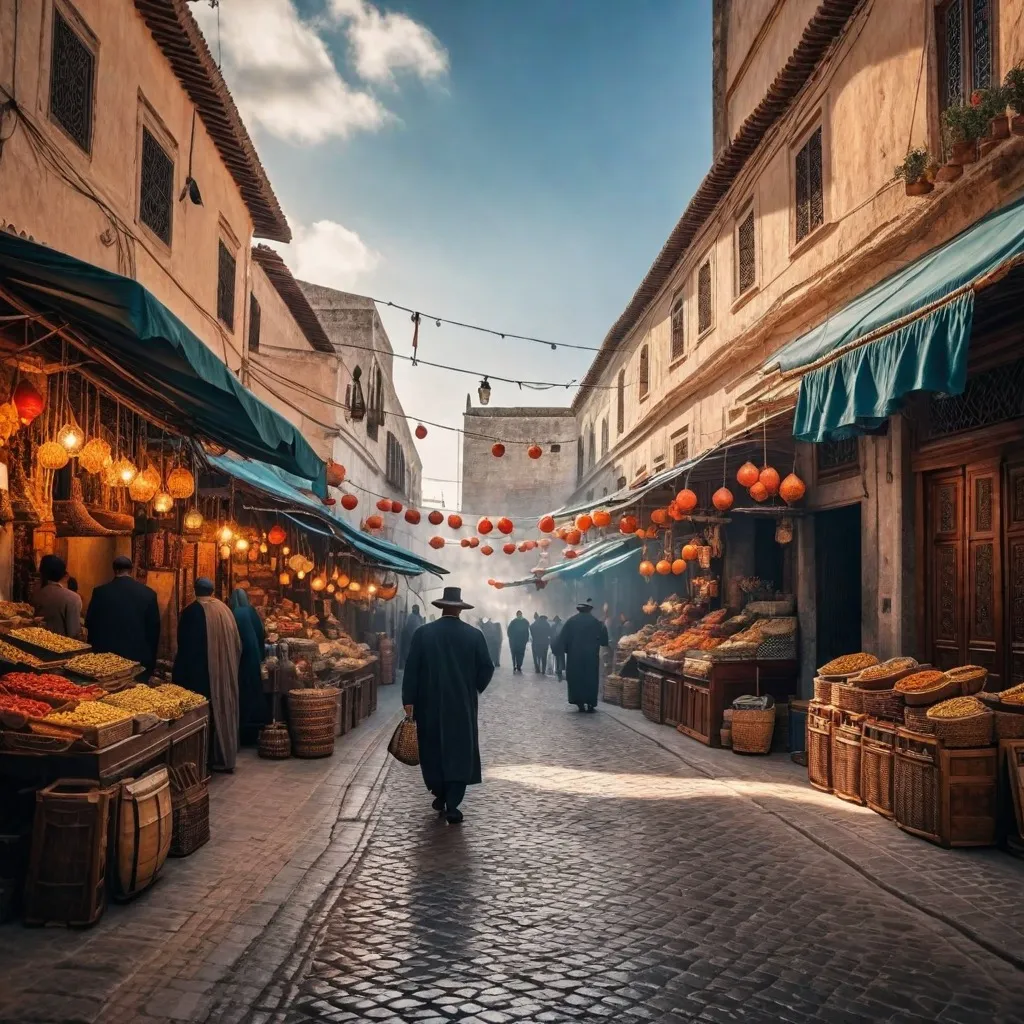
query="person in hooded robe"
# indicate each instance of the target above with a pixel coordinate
(252, 701)
(209, 652)
(580, 642)
(492, 636)
(412, 622)
(448, 668)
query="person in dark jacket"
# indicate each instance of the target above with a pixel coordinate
(124, 618)
(252, 701)
(58, 605)
(556, 628)
(448, 667)
(492, 635)
(540, 637)
(580, 643)
(518, 635)
(412, 623)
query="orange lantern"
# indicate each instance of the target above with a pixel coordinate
(384, 505)
(396, 507)
(412, 516)
(455, 521)
(690, 552)
(627, 524)
(673, 511)
(505, 525)
(678, 567)
(474, 542)
(484, 526)
(601, 517)
(659, 517)
(437, 543)
(546, 524)
(573, 537)
(374, 522)
(584, 523)
(421, 431)
(464, 542)
(747, 474)
(792, 489)
(646, 569)
(686, 501)
(722, 499)
(770, 478)
(509, 549)
(349, 501)
(497, 450)
(534, 451)
(664, 567)
(758, 491)
(487, 550)
(435, 518)
(277, 535)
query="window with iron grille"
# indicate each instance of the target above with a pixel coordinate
(395, 463)
(837, 457)
(680, 449)
(705, 310)
(620, 406)
(746, 256)
(645, 372)
(990, 397)
(678, 329)
(964, 33)
(156, 188)
(810, 198)
(254, 324)
(72, 78)
(604, 437)
(225, 285)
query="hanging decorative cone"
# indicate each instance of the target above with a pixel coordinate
(52, 455)
(437, 543)
(384, 505)
(71, 438)
(455, 521)
(628, 525)
(678, 567)
(722, 499)
(27, 401)
(505, 525)
(573, 537)
(747, 475)
(792, 489)
(374, 522)
(534, 451)
(584, 523)
(601, 517)
(412, 516)
(181, 484)
(664, 567)
(487, 550)
(769, 477)
(659, 517)
(646, 569)
(421, 431)
(497, 450)
(93, 455)
(509, 549)
(690, 552)
(686, 501)
(435, 518)
(758, 491)
(277, 535)
(484, 526)
(349, 501)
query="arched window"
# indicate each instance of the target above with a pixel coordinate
(591, 447)
(604, 437)
(645, 372)
(621, 407)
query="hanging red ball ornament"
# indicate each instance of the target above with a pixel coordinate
(523, 548)
(573, 537)
(546, 524)
(396, 507)
(455, 521)
(421, 431)
(686, 501)
(534, 451)
(646, 569)
(437, 543)
(384, 505)
(484, 526)
(487, 550)
(747, 474)
(584, 523)
(678, 567)
(659, 517)
(474, 542)
(497, 450)
(531, 545)
(758, 491)
(722, 499)
(464, 543)
(374, 522)
(412, 516)
(277, 535)
(435, 518)
(509, 549)
(769, 476)
(349, 501)
(601, 517)
(690, 552)
(792, 489)
(628, 524)
(570, 553)
(505, 525)
(664, 567)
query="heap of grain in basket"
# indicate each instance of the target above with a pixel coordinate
(886, 668)
(189, 698)
(847, 663)
(925, 680)
(142, 698)
(958, 707)
(92, 712)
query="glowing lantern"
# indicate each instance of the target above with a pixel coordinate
(181, 484)
(690, 552)
(264, 547)
(534, 451)
(71, 438)
(497, 450)
(686, 501)
(722, 499)
(664, 567)
(225, 551)
(396, 507)
(318, 583)
(659, 517)
(374, 522)
(412, 516)
(241, 545)
(27, 401)
(285, 579)
(437, 543)
(225, 535)
(628, 524)
(421, 431)
(678, 567)
(455, 521)
(770, 478)
(331, 588)
(546, 524)
(163, 502)
(758, 491)
(573, 537)
(792, 489)
(384, 505)
(602, 518)
(277, 535)
(52, 456)
(505, 526)
(286, 551)
(193, 521)
(372, 589)
(342, 581)
(126, 471)
(584, 523)
(301, 574)
(387, 591)
(747, 474)
(354, 587)
(646, 569)
(487, 550)
(435, 518)
(509, 549)
(349, 501)
(93, 455)
(145, 486)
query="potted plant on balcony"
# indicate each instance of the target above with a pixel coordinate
(992, 103)
(962, 126)
(1013, 85)
(915, 172)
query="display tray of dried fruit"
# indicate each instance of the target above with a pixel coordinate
(96, 733)
(33, 641)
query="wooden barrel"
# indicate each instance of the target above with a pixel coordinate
(142, 835)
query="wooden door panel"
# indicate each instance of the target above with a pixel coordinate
(984, 572)
(945, 574)
(1013, 617)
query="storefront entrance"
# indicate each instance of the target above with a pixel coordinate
(838, 578)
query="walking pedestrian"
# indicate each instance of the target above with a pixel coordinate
(492, 637)
(540, 637)
(518, 634)
(412, 623)
(558, 655)
(253, 712)
(448, 667)
(580, 643)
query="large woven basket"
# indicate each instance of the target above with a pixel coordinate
(631, 694)
(752, 731)
(918, 720)
(1009, 726)
(886, 704)
(312, 715)
(972, 731)
(822, 690)
(848, 698)
(820, 721)
(971, 678)
(275, 743)
(190, 803)
(942, 690)
(611, 689)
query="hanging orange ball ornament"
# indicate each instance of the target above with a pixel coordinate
(349, 501)
(487, 550)
(770, 478)
(455, 521)
(664, 567)
(497, 450)
(437, 543)
(435, 518)
(412, 516)
(534, 451)
(678, 567)
(584, 523)
(673, 511)
(641, 534)
(573, 537)
(686, 501)
(659, 517)
(396, 507)
(384, 505)
(505, 525)
(627, 524)
(546, 524)
(758, 491)
(464, 543)
(690, 552)
(509, 549)
(374, 522)
(602, 518)
(484, 526)
(646, 569)
(792, 489)
(277, 535)
(474, 542)
(722, 499)
(651, 532)
(747, 474)
(421, 431)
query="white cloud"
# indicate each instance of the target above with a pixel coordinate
(383, 42)
(330, 254)
(281, 73)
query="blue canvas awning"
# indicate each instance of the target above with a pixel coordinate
(141, 351)
(612, 561)
(909, 333)
(300, 501)
(573, 568)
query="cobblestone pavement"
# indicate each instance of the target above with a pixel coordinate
(600, 877)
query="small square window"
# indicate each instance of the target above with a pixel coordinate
(680, 449)
(156, 187)
(72, 81)
(705, 308)
(555, 449)
(225, 285)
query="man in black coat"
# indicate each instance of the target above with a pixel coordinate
(580, 642)
(556, 628)
(518, 635)
(448, 667)
(124, 618)
(540, 637)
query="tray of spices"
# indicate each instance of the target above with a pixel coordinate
(105, 669)
(50, 648)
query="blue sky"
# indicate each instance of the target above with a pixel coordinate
(515, 164)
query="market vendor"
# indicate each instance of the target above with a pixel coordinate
(124, 617)
(252, 701)
(209, 653)
(60, 608)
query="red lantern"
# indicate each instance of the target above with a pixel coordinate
(484, 526)
(686, 501)
(573, 537)
(722, 499)
(601, 517)
(437, 543)
(27, 401)
(384, 505)
(277, 535)
(435, 518)
(770, 478)
(627, 524)
(664, 567)
(546, 524)
(646, 569)
(497, 449)
(509, 549)
(335, 473)
(747, 474)
(758, 491)
(570, 553)
(659, 517)
(584, 523)
(464, 543)
(474, 542)
(534, 451)
(792, 489)
(374, 522)
(505, 525)
(349, 501)
(487, 550)
(412, 516)
(455, 521)
(421, 431)
(396, 507)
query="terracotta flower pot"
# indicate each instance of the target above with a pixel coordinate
(949, 172)
(964, 152)
(999, 127)
(1017, 124)
(921, 187)
(985, 146)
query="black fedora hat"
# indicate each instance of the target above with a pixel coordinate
(452, 598)
(586, 606)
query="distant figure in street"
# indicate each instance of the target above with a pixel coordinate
(209, 652)
(540, 637)
(518, 635)
(448, 667)
(412, 623)
(580, 643)
(252, 701)
(124, 617)
(492, 634)
(556, 629)
(60, 608)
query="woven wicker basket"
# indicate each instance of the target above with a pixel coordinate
(848, 698)
(917, 719)
(1009, 726)
(630, 695)
(822, 690)
(752, 731)
(886, 704)
(611, 690)
(972, 731)
(726, 737)
(275, 743)
(970, 677)
(312, 715)
(942, 690)
(191, 821)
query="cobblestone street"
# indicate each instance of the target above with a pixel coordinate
(600, 877)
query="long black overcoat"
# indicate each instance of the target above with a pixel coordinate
(518, 635)
(580, 640)
(447, 669)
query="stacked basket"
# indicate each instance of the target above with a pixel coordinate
(611, 689)
(275, 743)
(312, 714)
(631, 693)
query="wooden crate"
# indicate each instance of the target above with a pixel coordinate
(846, 756)
(820, 719)
(672, 700)
(876, 765)
(652, 700)
(968, 796)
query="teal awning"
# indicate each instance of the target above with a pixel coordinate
(612, 561)
(908, 333)
(140, 350)
(300, 501)
(576, 567)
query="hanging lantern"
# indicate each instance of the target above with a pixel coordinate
(342, 581)
(253, 555)
(601, 517)
(225, 535)
(584, 523)
(263, 547)
(474, 542)
(388, 591)
(770, 478)
(690, 552)
(484, 391)
(277, 535)
(646, 569)
(505, 525)
(143, 488)
(354, 587)
(570, 553)
(664, 567)
(335, 473)
(659, 517)
(534, 451)
(225, 551)
(52, 456)
(181, 484)
(93, 455)
(285, 579)
(627, 525)
(396, 507)
(421, 431)
(464, 543)
(509, 549)
(487, 550)
(686, 501)
(286, 551)
(349, 501)
(437, 543)
(71, 438)
(163, 502)
(331, 588)
(792, 489)
(497, 449)
(27, 401)
(546, 524)
(722, 499)
(747, 474)
(784, 530)
(490, 582)
(484, 526)
(301, 574)
(296, 562)
(241, 545)
(384, 505)
(523, 548)
(678, 567)
(412, 516)
(758, 491)
(374, 522)
(318, 583)
(435, 518)
(455, 521)
(125, 470)
(573, 537)
(192, 521)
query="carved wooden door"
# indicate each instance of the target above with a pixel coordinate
(984, 550)
(944, 503)
(1013, 520)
